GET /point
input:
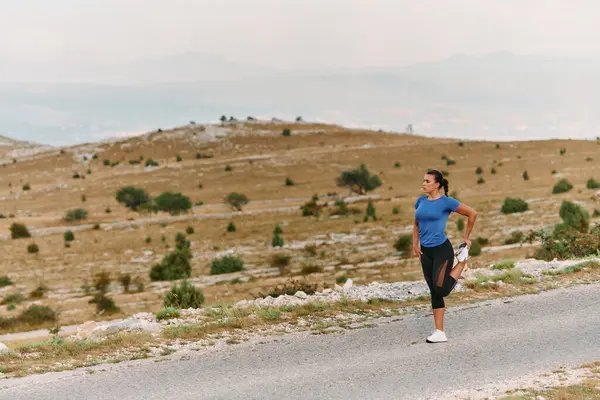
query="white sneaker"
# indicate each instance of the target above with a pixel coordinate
(437, 337)
(462, 253)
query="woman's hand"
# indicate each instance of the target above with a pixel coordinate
(417, 251)
(468, 242)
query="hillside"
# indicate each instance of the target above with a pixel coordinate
(116, 240)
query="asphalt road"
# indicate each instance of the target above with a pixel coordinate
(488, 342)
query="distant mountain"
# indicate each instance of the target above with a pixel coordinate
(500, 96)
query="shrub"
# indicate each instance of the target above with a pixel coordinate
(460, 224)
(395, 210)
(553, 172)
(280, 261)
(5, 281)
(236, 200)
(311, 249)
(178, 158)
(562, 151)
(370, 211)
(562, 186)
(566, 243)
(104, 304)
(168, 313)
(277, 241)
(106, 163)
(475, 249)
(151, 163)
(102, 281)
(33, 248)
(226, 264)
(231, 227)
(396, 164)
(186, 295)
(18, 231)
(450, 162)
(596, 213)
(575, 216)
(592, 184)
(291, 287)
(190, 230)
(26, 187)
(132, 197)
(514, 205)
(311, 207)
(310, 268)
(403, 244)
(479, 171)
(525, 176)
(228, 168)
(76, 175)
(174, 265)
(277, 230)
(515, 237)
(493, 171)
(286, 132)
(359, 180)
(200, 156)
(69, 236)
(482, 241)
(39, 292)
(173, 203)
(289, 182)
(13, 298)
(108, 210)
(480, 180)
(504, 264)
(77, 214)
(83, 198)
(37, 315)
(125, 280)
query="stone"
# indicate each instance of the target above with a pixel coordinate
(242, 303)
(127, 325)
(337, 288)
(85, 330)
(327, 291)
(4, 348)
(348, 284)
(301, 295)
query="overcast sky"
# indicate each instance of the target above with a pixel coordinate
(294, 33)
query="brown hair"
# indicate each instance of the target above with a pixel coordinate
(439, 178)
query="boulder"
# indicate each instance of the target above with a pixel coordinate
(301, 295)
(127, 325)
(3, 348)
(85, 330)
(348, 284)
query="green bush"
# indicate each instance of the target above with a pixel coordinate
(104, 304)
(168, 313)
(106, 163)
(226, 264)
(37, 315)
(33, 248)
(482, 241)
(450, 162)
(18, 231)
(575, 216)
(403, 244)
(190, 230)
(69, 236)
(289, 182)
(13, 298)
(286, 132)
(370, 212)
(396, 164)
(566, 243)
(5, 281)
(310, 268)
(311, 207)
(479, 171)
(231, 227)
(77, 214)
(174, 265)
(515, 237)
(39, 292)
(236, 200)
(562, 186)
(26, 187)
(475, 249)
(178, 158)
(592, 184)
(277, 241)
(151, 163)
(460, 224)
(173, 203)
(562, 151)
(132, 197)
(359, 180)
(596, 213)
(514, 205)
(186, 295)
(504, 264)
(228, 168)
(525, 176)
(395, 211)
(493, 171)
(480, 180)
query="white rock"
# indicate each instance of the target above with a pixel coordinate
(85, 330)
(242, 303)
(327, 291)
(500, 283)
(3, 348)
(128, 325)
(348, 284)
(337, 288)
(301, 295)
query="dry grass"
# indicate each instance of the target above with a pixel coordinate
(313, 160)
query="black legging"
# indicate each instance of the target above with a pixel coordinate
(437, 262)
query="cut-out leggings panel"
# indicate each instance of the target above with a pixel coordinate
(437, 262)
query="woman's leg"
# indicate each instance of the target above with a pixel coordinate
(437, 300)
(457, 270)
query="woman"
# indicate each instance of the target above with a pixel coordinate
(436, 252)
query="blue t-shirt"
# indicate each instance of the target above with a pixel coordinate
(432, 216)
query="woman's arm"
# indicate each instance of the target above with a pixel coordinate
(415, 240)
(471, 214)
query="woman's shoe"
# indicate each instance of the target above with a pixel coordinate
(437, 337)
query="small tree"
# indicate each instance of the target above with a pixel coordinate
(311, 207)
(231, 227)
(277, 230)
(289, 182)
(479, 171)
(77, 214)
(132, 197)
(277, 241)
(236, 200)
(173, 203)
(69, 236)
(574, 216)
(359, 180)
(403, 244)
(515, 205)
(286, 132)
(33, 248)
(592, 184)
(174, 265)
(525, 176)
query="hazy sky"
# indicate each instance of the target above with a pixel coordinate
(294, 33)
